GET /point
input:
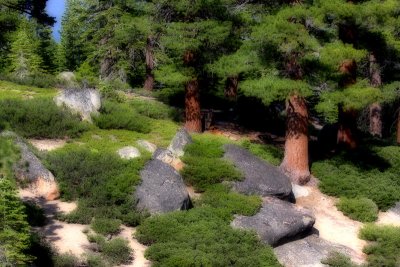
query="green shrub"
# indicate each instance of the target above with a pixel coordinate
(106, 226)
(337, 259)
(66, 260)
(41, 80)
(116, 251)
(384, 251)
(120, 116)
(204, 165)
(154, 109)
(202, 236)
(354, 177)
(360, 209)
(95, 261)
(269, 153)
(40, 118)
(102, 182)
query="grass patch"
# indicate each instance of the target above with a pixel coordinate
(269, 153)
(39, 118)
(203, 237)
(337, 259)
(115, 115)
(115, 251)
(12, 90)
(372, 174)
(105, 226)
(204, 165)
(102, 182)
(384, 251)
(359, 209)
(154, 109)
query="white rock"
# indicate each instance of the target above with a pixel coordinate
(147, 145)
(128, 152)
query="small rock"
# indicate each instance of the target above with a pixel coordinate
(277, 221)
(96, 137)
(179, 142)
(299, 191)
(308, 252)
(83, 101)
(162, 189)
(261, 178)
(147, 145)
(129, 152)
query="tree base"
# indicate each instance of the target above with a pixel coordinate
(300, 177)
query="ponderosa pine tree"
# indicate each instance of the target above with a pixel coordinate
(194, 33)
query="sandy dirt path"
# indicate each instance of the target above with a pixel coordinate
(331, 224)
(47, 144)
(138, 249)
(64, 237)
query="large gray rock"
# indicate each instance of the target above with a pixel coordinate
(308, 252)
(162, 189)
(82, 101)
(179, 142)
(261, 178)
(277, 221)
(128, 152)
(29, 169)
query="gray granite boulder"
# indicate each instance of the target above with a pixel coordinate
(128, 152)
(179, 142)
(261, 178)
(30, 169)
(162, 189)
(277, 221)
(308, 252)
(82, 101)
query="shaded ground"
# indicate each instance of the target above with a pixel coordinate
(138, 249)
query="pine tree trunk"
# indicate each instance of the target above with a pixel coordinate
(295, 161)
(398, 128)
(192, 107)
(231, 87)
(375, 110)
(149, 82)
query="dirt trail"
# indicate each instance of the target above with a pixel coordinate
(64, 237)
(389, 218)
(138, 249)
(331, 224)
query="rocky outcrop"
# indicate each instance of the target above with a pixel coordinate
(29, 169)
(261, 178)
(308, 252)
(128, 152)
(179, 142)
(277, 221)
(161, 190)
(82, 101)
(150, 147)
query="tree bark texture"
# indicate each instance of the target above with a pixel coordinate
(295, 162)
(192, 107)
(375, 110)
(398, 128)
(149, 82)
(231, 87)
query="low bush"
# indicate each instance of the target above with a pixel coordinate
(66, 260)
(94, 260)
(40, 118)
(120, 116)
(102, 182)
(42, 80)
(105, 226)
(372, 175)
(204, 165)
(337, 259)
(202, 236)
(360, 209)
(154, 109)
(384, 251)
(115, 251)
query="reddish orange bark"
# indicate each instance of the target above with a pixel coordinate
(375, 110)
(192, 107)
(231, 87)
(295, 162)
